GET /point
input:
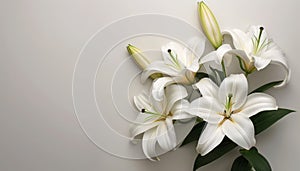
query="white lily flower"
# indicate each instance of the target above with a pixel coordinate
(155, 119)
(257, 51)
(179, 65)
(227, 109)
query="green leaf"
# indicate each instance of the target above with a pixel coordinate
(194, 134)
(225, 146)
(241, 163)
(266, 86)
(257, 161)
(217, 75)
(200, 75)
(261, 121)
(265, 119)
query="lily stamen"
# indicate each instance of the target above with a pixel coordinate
(151, 113)
(174, 58)
(258, 43)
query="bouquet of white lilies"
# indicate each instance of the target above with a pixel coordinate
(225, 113)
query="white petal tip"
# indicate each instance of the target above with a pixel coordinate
(201, 152)
(154, 159)
(284, 82)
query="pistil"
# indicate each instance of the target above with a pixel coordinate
(261, 29)
(152, 114)
(228, 105)
(259, 44)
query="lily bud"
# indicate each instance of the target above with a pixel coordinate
(140, 59)
(138, 56)
(210, 25)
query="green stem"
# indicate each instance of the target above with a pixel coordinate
(223, 68)
(242, 64)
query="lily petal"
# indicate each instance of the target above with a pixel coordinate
(241, 40)
(216, 55)
(277, 57)
(148, 144)
(240, 130)
(258, 102)
(185, 77)
(193, 53)
(179, 112)
(142, 101)
(196, 46)
(157, 67)
(260, 62)
(166, 136)
(137, 129)
(210, 138)
(207, 108)
(158, 87)
(159, 106)
(235, 85)
(212, 56)
(173, 94)
(144, 119)
(242, 54)
(207, 88)
(194, 66)
(222, 50)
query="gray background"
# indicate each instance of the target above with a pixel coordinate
(40, 42)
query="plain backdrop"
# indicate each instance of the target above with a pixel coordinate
(39, 44)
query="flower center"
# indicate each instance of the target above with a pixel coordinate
(228, 109)
(248, 68)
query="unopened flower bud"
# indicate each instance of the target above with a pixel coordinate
(210, 25)
(140, 59)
